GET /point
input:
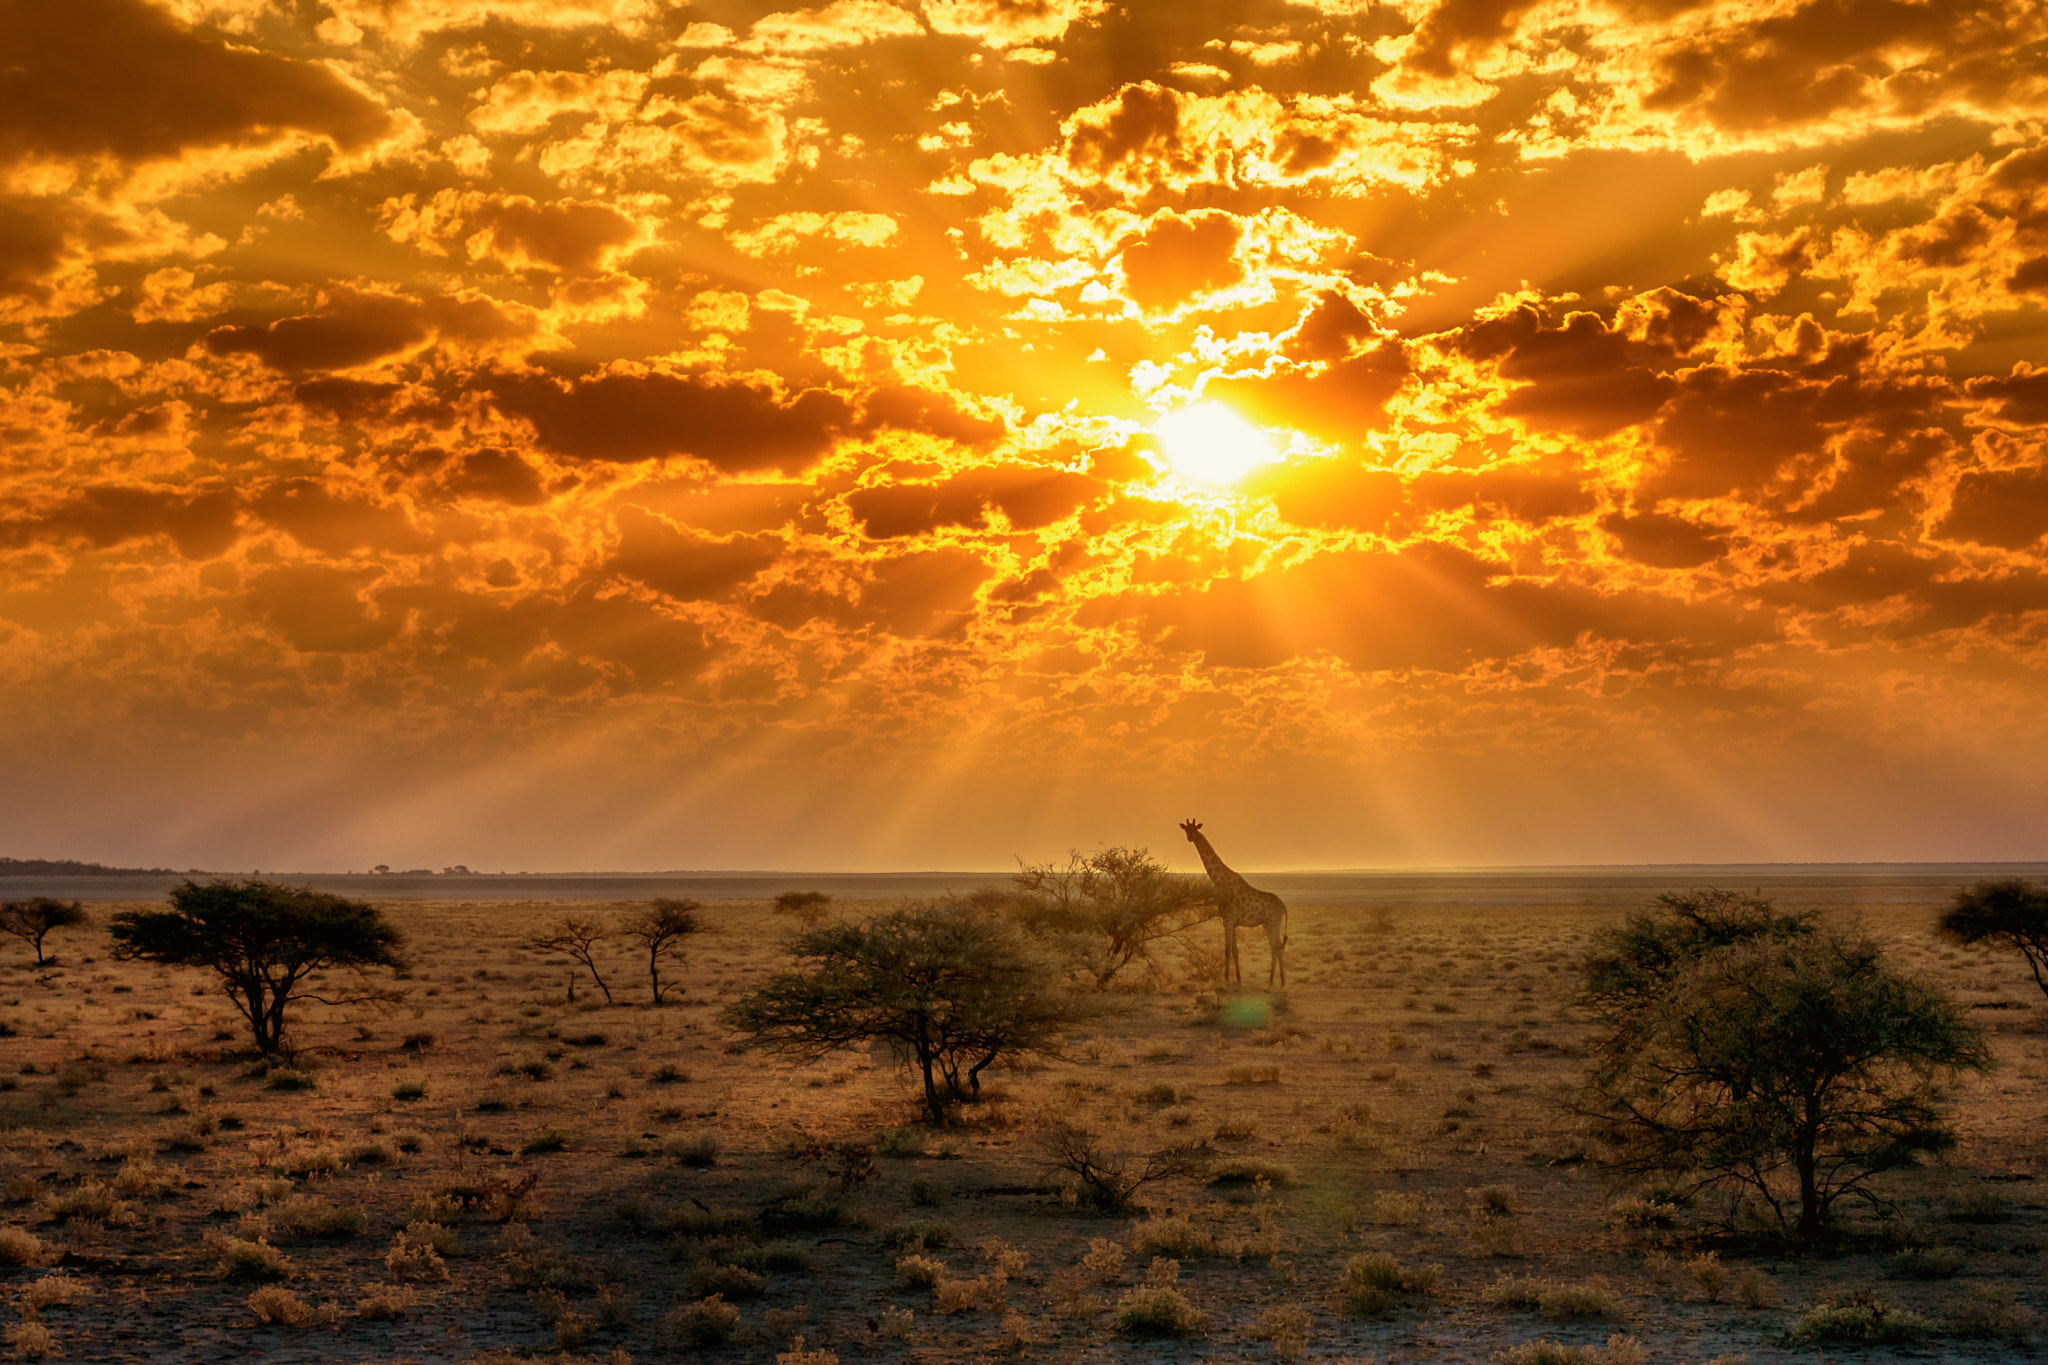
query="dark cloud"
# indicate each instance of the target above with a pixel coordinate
(908, 408)
(1579, 378)
(499, 475)
(2008, 508)
(1177, 257)
(686, 566)
(2021, 396)
(356, 326)
(628, 415)
(321, 609)
(1338, 401)
(1029, 497)
(1457, 30)
(201, 524)
(629, 637)
(336, 523)
(121, 78)
(1667, 542)
(569, 235)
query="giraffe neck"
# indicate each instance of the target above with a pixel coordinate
(1220, 875)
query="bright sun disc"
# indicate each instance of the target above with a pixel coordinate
(1211, 444)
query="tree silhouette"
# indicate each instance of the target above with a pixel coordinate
(31, 920)
(577, 936)
(1105, 910)
(947, 989)
(2012, 914)
(661, 927)
(1768, 1056)
(264, 940)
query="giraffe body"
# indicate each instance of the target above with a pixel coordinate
(1240, 904)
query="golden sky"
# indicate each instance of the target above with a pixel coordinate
(630, 434)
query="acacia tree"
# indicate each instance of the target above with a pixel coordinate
(1770, 1057)
(661, 927)
(31, 920)
(265, 941)
(1106, 909)
(2011, 913)
(578, 937)
(945, 988)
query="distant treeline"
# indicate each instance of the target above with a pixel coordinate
(67, 867)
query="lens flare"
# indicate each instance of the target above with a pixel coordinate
(1209, 443)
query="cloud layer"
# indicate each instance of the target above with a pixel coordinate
(643, 434)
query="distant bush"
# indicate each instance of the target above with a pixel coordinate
(1860, 1318)
(731, 1281)
(275, 1304)
(698, 1150)
(1930, 1263)
(1376, 1285)
(1158, 1308)
(19, 1246)
(708, 1322)
(1988, 1311)
(920, 1272)
(1173, 1236)
(917, 1234)
(241, 1259)
(409, 1090)
(308, 1217)
(1554, 1298)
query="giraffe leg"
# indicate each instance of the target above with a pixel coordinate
(1276, 940)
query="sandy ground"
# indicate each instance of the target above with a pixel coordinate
(589, 1166)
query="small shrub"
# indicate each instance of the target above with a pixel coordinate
(967, 1296)
(696, 1150)
(1553, 1298)
(286, 1078)
(1287, 1327)
(731, 1281)
(241, 1259)
(893, 1324)
(1397, 1210)
(1859, 1318)
(307, 1217)
(1249, 1171)
(1495, 1201)
(1375, 1284)
(1620, 1351)
(31, 1340)
(19, 1246)
(1174, 1236)
(902, 1144)
(1241, 1127)
(546, 1141)
(1265, 1074)
(1988, 1311)
(917, 1235)
(386, 1302)
(409, 1090)
(93, 1200)
(1930, 1263)
(797, 1355)
(1977, 1205)
(668, 1073)
(275, 1304)
(1158, 1095)
(1709, 1274)
(1754, 1289)
(920, 1272)
(414, 1254)
(1104, 1262)
(51, 1291)
(419, 1041)
(1158, 1308)
(708, 1322)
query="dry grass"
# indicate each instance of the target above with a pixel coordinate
(388, 1194)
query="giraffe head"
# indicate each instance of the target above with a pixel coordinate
(1191, 828)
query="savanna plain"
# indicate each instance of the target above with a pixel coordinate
(492, 1167)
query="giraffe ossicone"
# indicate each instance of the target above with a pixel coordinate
(1239, 903)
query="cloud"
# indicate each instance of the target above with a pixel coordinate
(352, 326)
(627, 414)
(123, 79)
(1177, 256)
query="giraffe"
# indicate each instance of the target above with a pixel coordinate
(1241, 903)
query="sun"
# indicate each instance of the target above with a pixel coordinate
(1208, 443)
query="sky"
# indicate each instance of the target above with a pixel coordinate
(633, 434)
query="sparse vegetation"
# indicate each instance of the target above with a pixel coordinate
(267, 943)
(34, 919)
